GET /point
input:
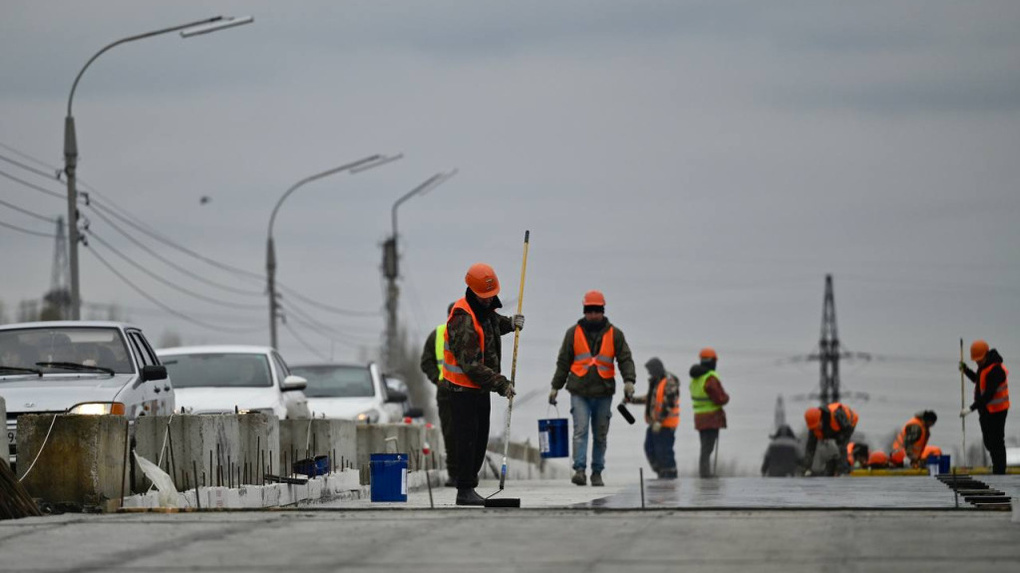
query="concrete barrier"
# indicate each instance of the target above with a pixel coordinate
(300, 439)
(260, 445)
(212, 443)
(82, 462)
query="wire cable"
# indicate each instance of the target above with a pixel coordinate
(326, 307)
(27, 212)
(305, 343)
(27, 231)
(32, 185)
(172, 264)
(176, 313)
(170, 284)
(27, 167)
(309, 321)
(341, 342)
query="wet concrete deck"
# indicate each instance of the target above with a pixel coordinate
(916, 492)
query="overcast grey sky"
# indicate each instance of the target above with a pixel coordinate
(705, 164)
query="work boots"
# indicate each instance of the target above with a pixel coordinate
(579, 478)
(596, 479)
(468, 496)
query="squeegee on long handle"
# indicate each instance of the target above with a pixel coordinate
(513, 364)
(963, 421)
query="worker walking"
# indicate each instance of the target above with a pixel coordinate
(708, 398)
(833, 422)
(585, 366)
(432, 366)
(471, 362)
(991, 400)
(662, 414)
(783, 457)
(912, 440)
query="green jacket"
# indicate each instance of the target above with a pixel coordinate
(592, 385)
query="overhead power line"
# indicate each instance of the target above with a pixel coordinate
(29, 213)
(31, 185)
(169, 283)
(305, 343)
(176, 313)
(27, 167)
(27, 231)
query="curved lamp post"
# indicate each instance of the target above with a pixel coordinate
(358, 166)
(71, 144)
(390, 265)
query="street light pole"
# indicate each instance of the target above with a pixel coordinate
(71, 143)
(391, 267)
(358, 166)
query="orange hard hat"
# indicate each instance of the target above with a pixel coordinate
(878, 460)
(813, 417)
(593, 298)
(482, 280)
(707, 354)
(978, 350)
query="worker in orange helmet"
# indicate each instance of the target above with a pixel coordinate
(471, 364)
(830, 422)
(991, 400)
(912, 439)
(585, 366)
(708, 397)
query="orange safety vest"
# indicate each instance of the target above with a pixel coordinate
(668, 414)
(1000, 401)
(898, 448)
(583, 360)
(815, 425)
(850, 453)
(451, 370)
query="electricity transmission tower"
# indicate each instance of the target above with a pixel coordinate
(829, 351)
(58, 298)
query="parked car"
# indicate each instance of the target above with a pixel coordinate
(351, 392)
(220, 379)
(396, 388)
(79, 367)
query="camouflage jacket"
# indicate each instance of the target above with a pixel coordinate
(482, 370)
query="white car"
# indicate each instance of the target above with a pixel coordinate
(350, 392)
(79, 367)
(222, 379)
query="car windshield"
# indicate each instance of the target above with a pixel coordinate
(336, 381)
(218, 370)
(81, 350)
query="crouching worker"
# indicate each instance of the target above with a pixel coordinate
(783, 457)
(912, 439)
(833, 422)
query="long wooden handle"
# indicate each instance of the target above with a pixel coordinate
(963, 421)
(513, 365)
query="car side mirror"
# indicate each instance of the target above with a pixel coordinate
(414, 413)
(292, 382)
(153, 372)
(396, 397)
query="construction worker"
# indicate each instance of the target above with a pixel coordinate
(833, 422)
(585, 366)
(878, 460)
(432, 366)
(930, 451)
(991, 400)
(662, 414)
(857, 455)
(783, 457)
(471, 362)
(708, 398)
(912, 439)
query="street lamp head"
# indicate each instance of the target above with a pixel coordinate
(217, 25)
(374, 162)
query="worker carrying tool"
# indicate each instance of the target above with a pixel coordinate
(708, 397)
(432, 366)
(833, 422)
(912, 439)
(471, 363)
(585, 366)
(991, 400)
(662, 414)
(783, 457)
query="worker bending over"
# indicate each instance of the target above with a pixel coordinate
(912, 439)
(833, 422)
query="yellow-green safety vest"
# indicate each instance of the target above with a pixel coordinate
(440, 336)
(702, 403)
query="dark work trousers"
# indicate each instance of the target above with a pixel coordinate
(993, 432)
(471, 427)
(659, 451)
(446, 422)
(708, 439)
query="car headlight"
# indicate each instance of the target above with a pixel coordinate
(97, 408)
(368, 417)
(266, 411)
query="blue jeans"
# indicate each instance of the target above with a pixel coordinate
(595, 412)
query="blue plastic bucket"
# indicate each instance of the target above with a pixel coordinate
(552, 438)
(312, 467)
(944, 464)
(934, 464)
(388, 477)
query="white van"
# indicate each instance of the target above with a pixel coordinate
(79, 367)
